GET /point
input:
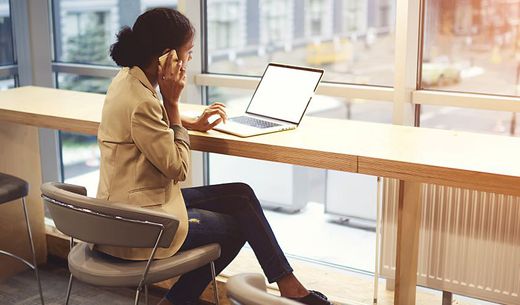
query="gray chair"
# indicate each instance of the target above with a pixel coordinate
(13, 188)
(250, 289)
(97, 221)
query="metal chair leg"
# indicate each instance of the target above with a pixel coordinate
(137, 295)
(35, 266)
(213, 276)
(69, 288)
(146, 294)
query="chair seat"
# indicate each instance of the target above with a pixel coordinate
(12, 188)
(250, 289)
(100, 269)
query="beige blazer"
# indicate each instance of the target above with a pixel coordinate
(142, 157)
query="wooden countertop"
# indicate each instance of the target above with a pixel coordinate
(463, 159)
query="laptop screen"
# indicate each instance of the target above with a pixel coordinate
(284, 92)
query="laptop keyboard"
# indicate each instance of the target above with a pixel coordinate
(247, 120)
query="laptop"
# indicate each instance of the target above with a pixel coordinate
(279, 101)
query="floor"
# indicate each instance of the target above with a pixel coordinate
(22, 289)
(341, 287)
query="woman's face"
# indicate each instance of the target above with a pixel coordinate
(184, 52)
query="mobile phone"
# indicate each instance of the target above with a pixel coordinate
(162, 59)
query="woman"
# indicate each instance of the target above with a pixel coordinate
(145, 152)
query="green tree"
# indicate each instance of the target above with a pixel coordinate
(90, 46)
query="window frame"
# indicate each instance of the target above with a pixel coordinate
(10, 70)
(369, 92)
(405, 93)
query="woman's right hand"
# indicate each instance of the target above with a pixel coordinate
(172, 80)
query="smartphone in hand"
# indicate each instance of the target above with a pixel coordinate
(162, 59)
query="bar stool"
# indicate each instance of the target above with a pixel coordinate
(12, 188)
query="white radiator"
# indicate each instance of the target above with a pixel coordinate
(469, 241)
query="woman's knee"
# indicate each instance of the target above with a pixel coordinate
(243, 189)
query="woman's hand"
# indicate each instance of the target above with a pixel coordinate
(172, 80)
(203, 123)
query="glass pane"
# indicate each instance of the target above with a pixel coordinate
(474, 120)
(6, 34)
(84, 30)
(472, 46)
(83, 83)
(351, 39)
(7, 82)
(80, 153)
(80, 157)
(307, 195)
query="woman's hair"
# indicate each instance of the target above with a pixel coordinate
(153, 32)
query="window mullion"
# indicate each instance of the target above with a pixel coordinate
(34, 68)
(193, 93)
(406, 59)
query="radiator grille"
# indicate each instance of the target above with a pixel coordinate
(469, 241)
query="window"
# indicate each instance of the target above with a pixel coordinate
(225, 24)
(474, 120)
(82, 83)
(316, 22)
(276, 22)
(8, 70)
(472, 46)
(6, 37)
(352, 41)
(7, 82)
(84, 30)
(86, 37)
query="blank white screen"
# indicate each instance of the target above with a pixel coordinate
(284, 92)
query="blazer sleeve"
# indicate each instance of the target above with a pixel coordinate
(168, 149)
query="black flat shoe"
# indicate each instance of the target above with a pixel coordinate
(313, 298)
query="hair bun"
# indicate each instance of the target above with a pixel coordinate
(124, 50)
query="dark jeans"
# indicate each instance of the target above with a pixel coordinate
(230, 215)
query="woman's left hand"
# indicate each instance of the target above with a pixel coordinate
(203, 122)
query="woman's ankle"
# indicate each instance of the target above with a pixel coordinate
(290, 287)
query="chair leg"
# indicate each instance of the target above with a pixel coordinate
(146, 294)
(35, 266)
(137, 295)
(69, 288)
(213, 276)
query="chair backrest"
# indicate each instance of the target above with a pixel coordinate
(105, 223)
(250, 289)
